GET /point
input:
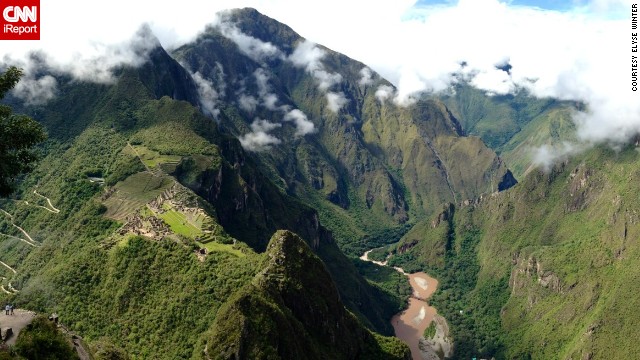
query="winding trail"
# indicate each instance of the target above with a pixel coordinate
(9, 267)
(51, 208)
(409, 325)
(30, 240)
(12, 290)
(24, 232)
(40, 206)
(21, 239)
(9, 215)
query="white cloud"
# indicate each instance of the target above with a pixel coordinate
(256, 49)
(259, 138)
(384, 92)
(581, 54)
(366, 76)
(207, 94)
(35, 88)
(92, 61)
(36, 91)
(303, 125)
(308, 56)
(247, 103)
(335, 101)
(268, 98)
(545, 156)
(494, 81)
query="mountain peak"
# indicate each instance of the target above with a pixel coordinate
(301, 314)
(253, 23)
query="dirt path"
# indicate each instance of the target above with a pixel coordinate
(16, 322)
(21, 239)
(25, 233)
(9, 267)
(52, 209)
(6, 213)
(30, 240)
(11, 290)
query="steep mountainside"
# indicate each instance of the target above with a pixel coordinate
(513, 125)
(337, 139)
(545, 270)
(146, 225)
(103, 233)
(292, 310)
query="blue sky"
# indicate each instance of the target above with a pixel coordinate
(610, 9)
(543, 4)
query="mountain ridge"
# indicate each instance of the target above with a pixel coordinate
(185, 165)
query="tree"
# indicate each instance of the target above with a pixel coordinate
(18, 135)
(42, 340)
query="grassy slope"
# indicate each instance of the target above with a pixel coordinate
(151, 298)
(552, 127)
(512, 125)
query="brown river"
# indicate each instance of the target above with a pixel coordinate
(409, 325)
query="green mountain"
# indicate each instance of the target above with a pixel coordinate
(369, 165)
(160, 221)
(544, 270)
(127, 253)
(280, 315)
(513, 125)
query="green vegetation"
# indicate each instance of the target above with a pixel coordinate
(544, 270)
(18, 135)
(392, 282)
(471, 307)
(277, 315)
(370, 169)
(217, 247)
(375, 240)
(41, 340)
(180, 224)
(152, 296)
(513, 125)
(430, 331)
(153, 159)
(543, 263)
(379, 254)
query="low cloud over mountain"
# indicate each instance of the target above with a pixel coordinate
(580, 54)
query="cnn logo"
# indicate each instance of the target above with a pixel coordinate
(16, 13)
(20, 20)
